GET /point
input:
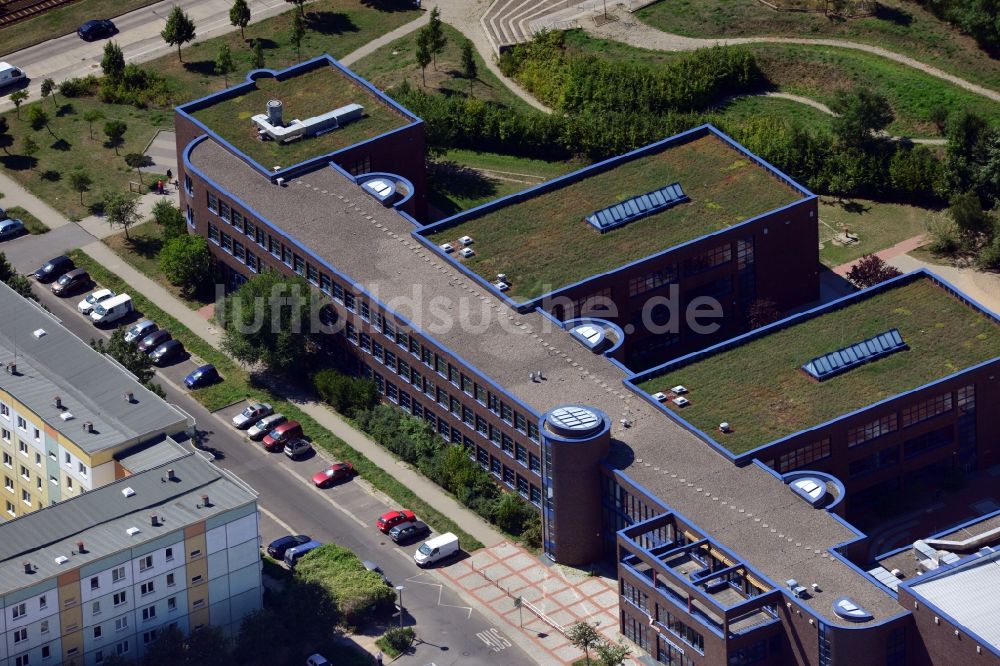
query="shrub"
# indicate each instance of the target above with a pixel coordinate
(396, 641)
(187, 263)
(871, 270)
(80, 87)
(137, 86)
(348, 395)
(359, 594)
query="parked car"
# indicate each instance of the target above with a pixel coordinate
(371, 566)
(406, 532)
(252, 413)
(277, 548)
(9, 75)
(88, 303)
(317, 660)
(95, 29)
(296, 448)
(390, 519)
(259, 429)
(3, 214)
(292, 555)
(202, 376)
(109, 311)
(154, 340)
(139, 330)
(171, 350)
(332, 474)
(71, 281)
(436, 549)
(282, 434)
(10, 228)
(53, 268)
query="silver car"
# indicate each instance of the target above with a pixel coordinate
(252, 413)
(139, 330)
(10, 228)
(265, 425)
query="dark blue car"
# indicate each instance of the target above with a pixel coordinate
(203, 376)
(96, 29)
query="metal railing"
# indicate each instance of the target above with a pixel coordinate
(523, 602)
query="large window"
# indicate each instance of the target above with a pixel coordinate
(925, 409)
(654, 280)
(804, 455)
(872, 430)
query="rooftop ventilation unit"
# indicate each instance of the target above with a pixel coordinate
(297, 129)
(725, 427)
(842, 360)
(465, 240)
(88, 427)
(38, 332)
(62, 559)
(132, 531)
(467, 252)
(66, 416)
(28, 567)
(447, 247)
(154, 520)
(128, 492)
(11, 368)
(681, 402)
(636, 208)
(501, 286)
(679, 389)
(280, 181)
(128, 397)
(659, 396)
(274, 112)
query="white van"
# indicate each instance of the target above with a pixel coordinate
(10, 75)
(436, 549)
(111, 310)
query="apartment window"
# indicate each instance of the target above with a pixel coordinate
(506, 413)
(213, 233)
(252, 262)
(21, 423)
(299, 264)
(7, 459)
(121, 623)
(25, 473)
(507, 444)
(26, 497)
(536, 496)
(145, 562)
(117, 574)
(4, 411)
(349, 301)
(440, 366)
(496, 467)
(11, 509)
(148, 636)
(38, 460)
(95, 583)
(170, 580)
(324, 283)
(338, 293)
(522, 486)
(5, 434)
(190, 217)
(98, 656)
(95, 608)
(172, 604)
(43, 602)
(119, 598)
(480, 394)
(454, 376)
(53, 480)
(286, 255)
(224, 211)
(198, 603)
(21, 661)
(196, 579)
(8, 483)
(20, 635)
(47, 652)
(122, 648)
(227, 243)
(18, 611)
(22, 446)
(188, 185)
(195, 553)
(312, 274)
(97, 631)
(468, 418)
(239, 252)
(274, 246)
(520, 423)
(237, 219)
(148, 613)
(213, 203)
(534, 464)
(69, 483)
(147, 588)
(44, 626)
(521, 455)
(248, 227)
(508, 476)
(467, 385)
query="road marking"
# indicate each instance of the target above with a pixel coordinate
(275, 519)
(440, 587)
(494, 639)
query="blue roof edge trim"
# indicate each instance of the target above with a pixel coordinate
(188, 108)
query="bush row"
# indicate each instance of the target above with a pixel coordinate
(359, 594)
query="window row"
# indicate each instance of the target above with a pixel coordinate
(802, 456)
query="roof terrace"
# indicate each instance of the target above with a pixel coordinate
(310, 89)
(757, 383)
(541, 238)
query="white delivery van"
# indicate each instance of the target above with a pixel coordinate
(9, 75)
(436, 549)
(111, 310)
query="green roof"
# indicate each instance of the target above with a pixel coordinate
(544, 242)
(310, 94)
(761, 391)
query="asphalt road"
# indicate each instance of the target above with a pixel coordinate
(69, 56)
(452, 631)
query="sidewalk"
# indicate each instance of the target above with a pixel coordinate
(16, 195)
(888, 254)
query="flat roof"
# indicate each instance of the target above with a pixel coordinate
(101, 517)
(308, 89)
(756, 384)
(336, 222)
(90, 385)
(540, 238)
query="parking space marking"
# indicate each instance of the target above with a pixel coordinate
(309, 483)
(440, 587)
(273, 517)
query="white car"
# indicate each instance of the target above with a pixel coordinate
(252, 413)
(259, 429)
(87, 305)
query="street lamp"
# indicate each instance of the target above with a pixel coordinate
(399, 589)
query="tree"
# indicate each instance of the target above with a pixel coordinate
(138, 161)
(121, 210)
(861, 114)
(179, 30)
(92, 116)
(762, 311)
(169, 217)
(257, 55)
(510, 513)
(612, 654)
(39, 118)
(224, 64)
(239, 15)
(28, 147)
(6, 140)
(115, 131)
(255, 643)
(469, 68)
(423, 53)
(135, 361)
(167, 649)
(49, 88)
(113, 62)
(19, 283)
(18, 97)
(207, 646)
(80, 181)
(584, 636)
(266, 319)
(298, 32)
(187, 263)
(436, 40)
(301, 4)
(972, 221)
(968, 136)
(939, 116)
(871, 270)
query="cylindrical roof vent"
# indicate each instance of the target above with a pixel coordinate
(274, 112)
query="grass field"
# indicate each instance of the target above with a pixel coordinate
(396, 62)
(67, 146)
(311, 94)
(544, 243)
(759, 389)
(903, 27)
(33, 225)
(744, 108)
(237, 386)
(878, 226)
(62, 21)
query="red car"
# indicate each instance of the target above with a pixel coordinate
(390, 519)
(332, 474)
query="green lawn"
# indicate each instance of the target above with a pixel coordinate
(31, 223)
(311, 94)
(760, 390)
(62, 21)
(545, 243)
(396, 62)
(237, 386)
(903, 27)
(67, 146)
(878, 226)
(741, 109)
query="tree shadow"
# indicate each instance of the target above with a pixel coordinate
(61, 144)
(390, 5)
(264, 42)
(51, 175)
(893, 14)
(96, 208)
(203, 67)
(147, 247)
(331, 23)
(451, 178)
(66, 109)
(18, 162)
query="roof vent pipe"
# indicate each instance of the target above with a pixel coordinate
(274, 109)
(80, 548)
(204, 501)
(58, 402)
